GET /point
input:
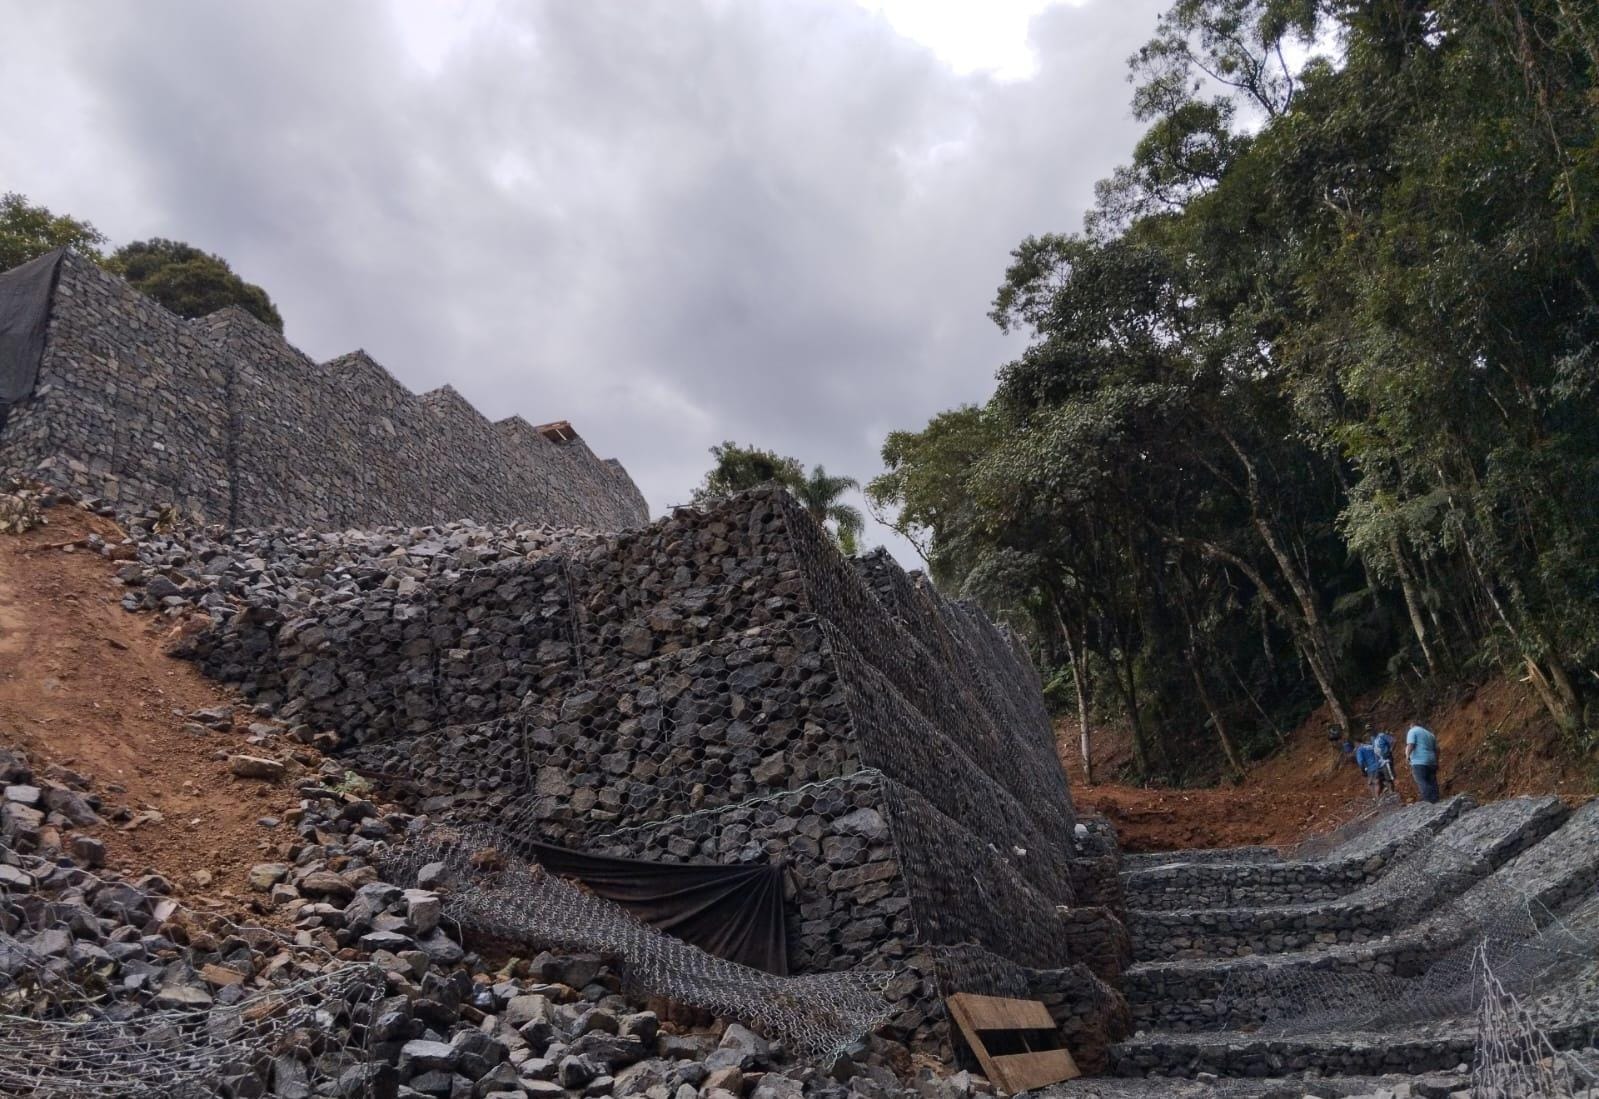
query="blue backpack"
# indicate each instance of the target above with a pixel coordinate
(1366, 758)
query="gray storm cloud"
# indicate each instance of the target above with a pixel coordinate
(669, 222)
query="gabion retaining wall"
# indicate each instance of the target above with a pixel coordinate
(1212, 882)
(720, 686)
(1343, 1055)
(1416, 882)
(129, 404)
(223, 418)
(1551, 875)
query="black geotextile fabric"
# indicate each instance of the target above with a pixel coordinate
(733, 912)
(24, 312)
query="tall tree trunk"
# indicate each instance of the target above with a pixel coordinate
(1074, 657)
(1412, 603)
(1560, 694)
(1191, 655)
(1127, 687)
(1317, 647)
(1561, 703)
(1546, 692)
(1564, 687)
(1470, 619)
(1271, 722)
(1314, 655)
(1215, 717)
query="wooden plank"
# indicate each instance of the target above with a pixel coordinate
(1012, 1072)
(1001, 1013)
(1026, 1071)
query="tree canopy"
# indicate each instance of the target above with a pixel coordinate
(739, 467)
(28, 232)
(188, 281)
(822, 494)
(180, 276)
(1310, 403)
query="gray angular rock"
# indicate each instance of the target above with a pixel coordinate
(440, 948)
(30, 796)
(521, 1010)
(639, 1078)
(774, 1085)
(611, 1050)
(326, 883)
(424, 1054)
(182, 996)
(574, 1071)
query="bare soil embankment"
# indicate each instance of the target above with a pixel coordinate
(88, 686)
(1495, 740)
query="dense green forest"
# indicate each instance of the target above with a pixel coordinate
(1311, 404)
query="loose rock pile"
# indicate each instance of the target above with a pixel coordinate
(367, 993)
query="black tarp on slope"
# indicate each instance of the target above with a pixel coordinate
(24, 312)
(734, 912)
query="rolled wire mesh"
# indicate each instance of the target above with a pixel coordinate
(68, 1031)
(493, 888)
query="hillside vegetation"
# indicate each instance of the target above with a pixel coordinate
(1308, 407)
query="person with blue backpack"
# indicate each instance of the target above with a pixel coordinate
(1370, 765)
(1383, 745)
(1421, 748)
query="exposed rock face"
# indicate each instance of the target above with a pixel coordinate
(223, 418)
(719, 687)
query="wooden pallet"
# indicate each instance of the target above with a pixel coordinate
(1016, 1041)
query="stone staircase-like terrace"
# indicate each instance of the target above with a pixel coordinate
(1257, 974)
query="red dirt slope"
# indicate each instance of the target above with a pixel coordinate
(85, 684)
(1496, 741)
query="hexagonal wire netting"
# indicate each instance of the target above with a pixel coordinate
(69, 1032)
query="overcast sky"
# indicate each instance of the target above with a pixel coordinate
(670, 222)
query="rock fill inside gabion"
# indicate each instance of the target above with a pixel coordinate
(105, 393)
(721, 687)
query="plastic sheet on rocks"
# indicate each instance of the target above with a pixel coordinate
(491, 889)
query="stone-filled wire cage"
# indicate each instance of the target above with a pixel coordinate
(725, 687)
(105, 393)
(721, 686)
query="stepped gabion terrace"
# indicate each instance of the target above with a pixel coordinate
(719, 688)
(104, 392)
(1436, 949)
(477, 623)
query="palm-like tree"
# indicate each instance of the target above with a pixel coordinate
(819, 493)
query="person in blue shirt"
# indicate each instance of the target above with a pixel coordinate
(1421, 748)
(1370, 766)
